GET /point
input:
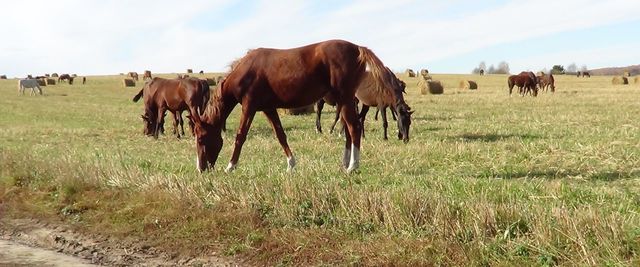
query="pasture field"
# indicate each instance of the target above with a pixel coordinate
(486, 179)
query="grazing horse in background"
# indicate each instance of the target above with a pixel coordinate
(174, 95)
(266, 79)
(29, 83)
(65, 77)
(586, 74)
(84, 80)
(523, 81)
(369, 96)
(147, 75)
(533, 87)
(133, 75)
(546, 81)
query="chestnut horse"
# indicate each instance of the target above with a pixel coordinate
(523, 81)
(66, 77)
(174, 95)
(546, 81)
(266, 79)
(368, 95)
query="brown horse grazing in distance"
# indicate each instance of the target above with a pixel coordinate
(66, 77)
(266, 79)
(133, 75)
(546, 81)
(147, 75)
(533, 87)
(174, 95)
(369, 96)
(84, 80)
(523, 81)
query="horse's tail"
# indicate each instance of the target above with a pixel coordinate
(206, 93)
(510, 82)
(382, 76)
(139, 95)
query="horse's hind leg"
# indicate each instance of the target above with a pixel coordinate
(245, 123)
(319, 107)
(273, 117)
(362, 116)
(385, 123)
(159, 121)
(176, 123)
(181, 122)
(336, 118)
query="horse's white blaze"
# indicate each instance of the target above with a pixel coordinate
(230, 167)
(291, 162)
(355, 158)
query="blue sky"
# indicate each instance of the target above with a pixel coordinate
(108, 37)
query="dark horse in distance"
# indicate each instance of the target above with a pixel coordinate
(266, 79)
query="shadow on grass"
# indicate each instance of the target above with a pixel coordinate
(494, 137)
(607, 176)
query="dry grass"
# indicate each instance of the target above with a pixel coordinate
(486, 179)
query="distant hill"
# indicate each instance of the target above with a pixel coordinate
(633, 69)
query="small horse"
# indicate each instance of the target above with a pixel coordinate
(133, 75)
(147, 75)
(586, 74)
(546, 81)
(266, 79)
(65, 77)
(174, 95)
(29, 83)
(84, 80)
(368, 96)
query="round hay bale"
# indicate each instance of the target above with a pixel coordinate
(470, 85)
(299, 111)
(430, 87)
(47, 75)
(41, 82)
(618, 80)
(189, 71)
(54, 75)
(410, 73)
(424, 72)
(50, 81)
(74, 75)
(3, 77)
(128, 83)
(211, 81)
(626, 73)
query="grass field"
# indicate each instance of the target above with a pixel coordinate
(486, 179)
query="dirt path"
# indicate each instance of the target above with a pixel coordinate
(15, 254)
(33, 243)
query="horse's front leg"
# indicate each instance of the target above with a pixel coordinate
(335, 119)
(245, 122)
(385, 123)
(274, 119)
(363, 116)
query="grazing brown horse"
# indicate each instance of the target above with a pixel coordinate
(369, 96)
(174, 95)
(84, 80)
(147, 75)
(66, 77)
(546, 81)
(266, 79)
(523, 81)
(133, 75)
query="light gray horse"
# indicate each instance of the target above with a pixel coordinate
(29, 83)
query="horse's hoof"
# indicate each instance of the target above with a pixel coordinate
(230, 168)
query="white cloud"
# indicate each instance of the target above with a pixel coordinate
(97, 37)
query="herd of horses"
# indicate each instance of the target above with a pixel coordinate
(528, 83)
(34, 83)
(335, 72)
(264, 80)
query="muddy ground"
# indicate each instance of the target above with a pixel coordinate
(27, 242)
